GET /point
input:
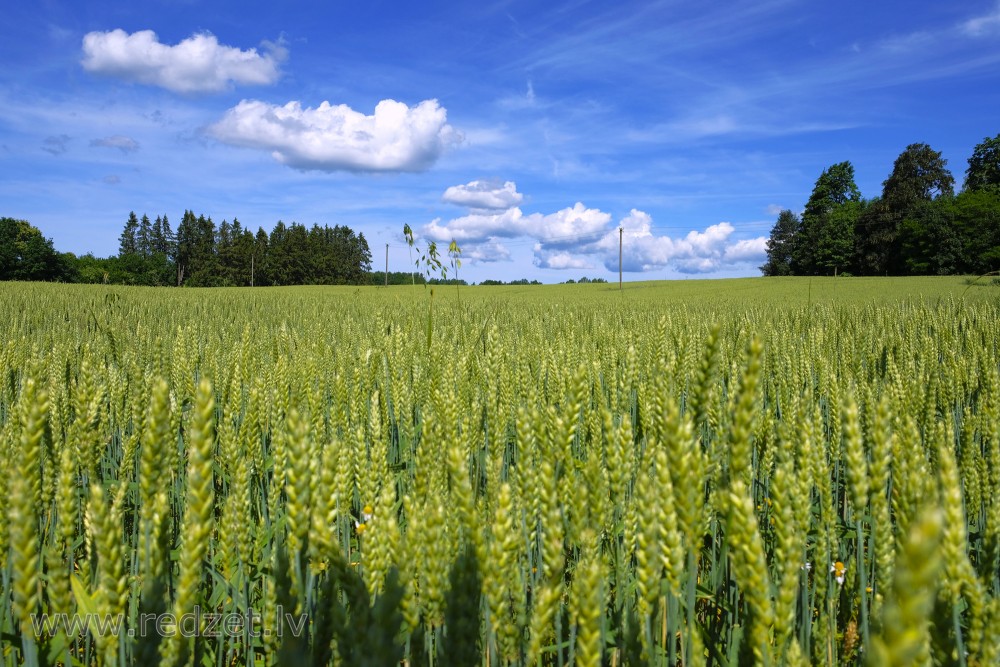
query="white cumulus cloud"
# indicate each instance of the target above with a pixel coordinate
(696, 252)
(747, 250)
(337, 138)
(575, 226)
(559, 259)
(485, 194)
(579, 237)
(477, 227)
(195, 65)
(490, 251)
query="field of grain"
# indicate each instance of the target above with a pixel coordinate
(757, 471)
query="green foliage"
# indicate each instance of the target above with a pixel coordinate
(876, 241)
(823, 242)
(930, 239)
(919, 174)
(199, 255)
(834, 187)
(917, 225)
(977, 217)
(953, 235)
(429, 259)
(461, 645)
(455, 253)
(781, 244)
(395, 278)
(519, 281)
(582, 281)
(27, 255)
(835, 238)
(367, 632)
(984, 165)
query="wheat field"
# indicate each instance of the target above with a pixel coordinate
(734, 472)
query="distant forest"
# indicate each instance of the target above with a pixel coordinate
(201, 254)
(198, 253)
(918, 226)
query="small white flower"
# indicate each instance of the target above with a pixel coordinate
(806, 566)
(839, 571)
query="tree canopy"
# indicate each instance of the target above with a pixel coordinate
(780, 247)
(918, 225)
(825, 235)
(27, 255)
(984, 165)
(919, 174)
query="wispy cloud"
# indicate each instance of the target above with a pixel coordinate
(197, 64)
(705, 103)
(337, 138)
(121, 142)
(647, 34)
(754, 123)
(56, 144)
(988, 24)
(527, 100)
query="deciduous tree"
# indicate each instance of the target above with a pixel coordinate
(834, 188)
(984, 165)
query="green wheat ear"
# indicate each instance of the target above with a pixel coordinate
(907, 610)
(198, 518)
(24, 553)
(25, 503)
(112, 593)
(586, 607)
(750, 569)
(155, 455)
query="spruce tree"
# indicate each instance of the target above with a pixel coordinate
(779, 246)
(127, 242)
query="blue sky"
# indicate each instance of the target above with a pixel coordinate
(527, 131)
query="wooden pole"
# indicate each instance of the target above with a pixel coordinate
(386, 264)
(621, 230)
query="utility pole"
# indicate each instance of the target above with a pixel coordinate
(386, 264)
(251, 270)
(621, 231)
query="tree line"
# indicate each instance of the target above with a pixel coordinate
(918, 226)
(410, 278)
(198, 253)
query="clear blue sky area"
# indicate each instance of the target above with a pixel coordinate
(529, 132)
